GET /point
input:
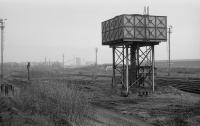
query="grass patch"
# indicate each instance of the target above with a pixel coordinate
(178, 115)
(53, 103)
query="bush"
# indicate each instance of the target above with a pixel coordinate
(61, 103)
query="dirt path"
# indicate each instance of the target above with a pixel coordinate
(105, 117)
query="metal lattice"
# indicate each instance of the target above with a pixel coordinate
(140, 62)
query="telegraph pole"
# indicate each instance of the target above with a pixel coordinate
(2, 44)
(96, 50)
(45, 61)
(169, 63)
(63, 61)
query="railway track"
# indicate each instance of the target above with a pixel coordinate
(185, 84)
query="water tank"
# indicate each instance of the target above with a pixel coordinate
(134, 28)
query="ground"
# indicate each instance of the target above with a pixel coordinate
(167, 106)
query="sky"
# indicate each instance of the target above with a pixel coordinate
(36, 29)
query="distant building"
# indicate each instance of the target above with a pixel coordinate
(89, 63)
(78, 61)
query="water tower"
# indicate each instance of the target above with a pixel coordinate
(132, 38)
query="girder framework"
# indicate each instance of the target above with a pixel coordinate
(133, 65)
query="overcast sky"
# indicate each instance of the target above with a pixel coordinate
(48, 28)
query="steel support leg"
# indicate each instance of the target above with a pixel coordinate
(127, 71)
(123, 75)
(113, 81)
(153, 66)
(138, 63)
(133, 71)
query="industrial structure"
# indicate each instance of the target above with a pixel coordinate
(132, 38)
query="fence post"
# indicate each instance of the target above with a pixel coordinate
(28, 68)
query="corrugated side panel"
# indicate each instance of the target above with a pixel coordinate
(129, 32)
(161, 33)
(113, 27)
(161, 27)
(151, 21)
(151, 33)
(139, 21)
(139, 33)
(129, 21)
(112, 30)
(151, 27)
(161, 21)
(128, 26)
(103, 26)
